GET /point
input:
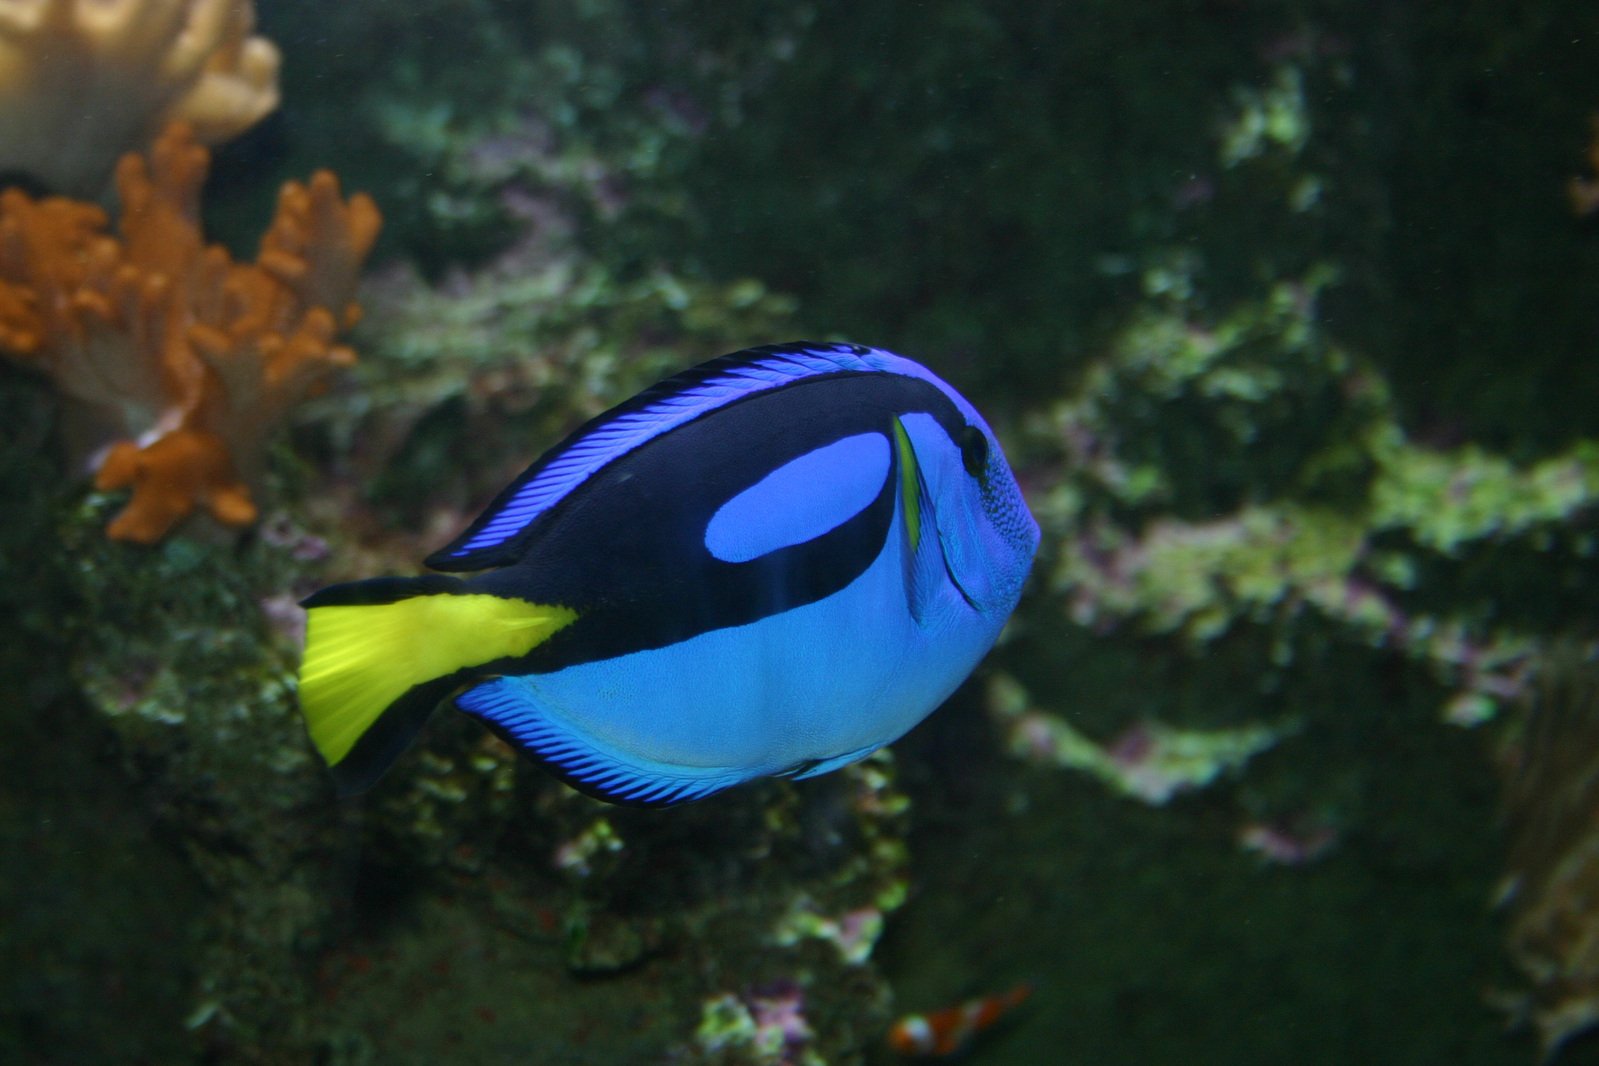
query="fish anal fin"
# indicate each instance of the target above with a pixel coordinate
(510, 706)
(827, 766)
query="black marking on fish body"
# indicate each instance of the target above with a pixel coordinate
(392, 733)
(455, 557)
(626, 550)
(379, 590)
(458, 556)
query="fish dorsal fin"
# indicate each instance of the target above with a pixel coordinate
(495, 538)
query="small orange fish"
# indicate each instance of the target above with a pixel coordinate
(951, 1030)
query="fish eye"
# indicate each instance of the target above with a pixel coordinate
(974, 450)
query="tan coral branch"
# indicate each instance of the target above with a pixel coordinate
(115, 72)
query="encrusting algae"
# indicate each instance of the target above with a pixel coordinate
(179, 357)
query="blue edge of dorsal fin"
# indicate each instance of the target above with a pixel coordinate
(494, 538)
(509, 707)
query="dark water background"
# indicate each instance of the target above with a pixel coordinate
(1211, 268)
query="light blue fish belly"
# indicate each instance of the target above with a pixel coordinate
(826, 683)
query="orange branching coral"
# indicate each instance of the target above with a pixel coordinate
(174, 474)
(183, 358)
(82, 81)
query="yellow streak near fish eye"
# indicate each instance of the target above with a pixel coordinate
(909, 492)
(359, 659)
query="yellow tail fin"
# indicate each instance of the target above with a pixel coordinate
(363, 657)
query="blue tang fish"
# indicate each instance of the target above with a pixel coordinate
(771, 564)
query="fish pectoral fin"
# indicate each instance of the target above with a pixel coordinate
(925, 567)
(512, 709)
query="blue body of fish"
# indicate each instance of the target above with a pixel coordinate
(772, 564)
